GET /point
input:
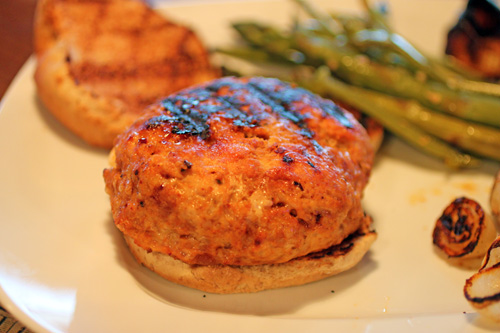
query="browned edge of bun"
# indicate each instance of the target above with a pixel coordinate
(95, 119)
(83, 107)
(226, 279)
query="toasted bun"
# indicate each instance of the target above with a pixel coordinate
(227, 279)
(100, 63)
(94, 118)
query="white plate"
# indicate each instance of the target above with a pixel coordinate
(64, 266)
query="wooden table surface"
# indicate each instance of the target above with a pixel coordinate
(16, 32)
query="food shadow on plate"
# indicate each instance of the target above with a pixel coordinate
(481, 322)
(61, 131)
(276, 302)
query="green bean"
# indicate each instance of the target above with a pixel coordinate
(474, 138)
(432, 67)
(324, 84)
(436, 106)
(453, 65)
(396, 43)
(355, 39)
(452, 128)
(359, 70)
(393, 42)
(375, 16)
(264, 36)
(327, 22)
(351, 23)
(254, 55)
(389, 48)
(385, 37)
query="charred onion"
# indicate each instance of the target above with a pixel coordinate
(475, 39)
(464, 232)
(482, 289)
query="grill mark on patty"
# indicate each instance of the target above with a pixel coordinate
(191, 121)
(192, 112)
(189, 111)
(280, 105)
(337, 250)
(283, 98)
(234, 107)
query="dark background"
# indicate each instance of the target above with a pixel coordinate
(16, 32)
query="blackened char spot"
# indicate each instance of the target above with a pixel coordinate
(287, 95)
(461, 225)
(446, 221)
(299, 185)
(189, 111)
(278, 100)
(337, 250)
(303, 222)
(231, 107)
(335, 111)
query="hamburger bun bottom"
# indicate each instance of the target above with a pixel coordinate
(227, 279)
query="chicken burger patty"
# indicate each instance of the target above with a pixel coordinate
(240, 172)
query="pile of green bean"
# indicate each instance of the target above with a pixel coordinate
(360, 60)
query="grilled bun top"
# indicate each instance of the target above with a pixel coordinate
(240, 171)
(101, 62)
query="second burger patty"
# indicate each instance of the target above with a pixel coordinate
(240, 171)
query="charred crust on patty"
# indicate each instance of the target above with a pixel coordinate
(189, 114)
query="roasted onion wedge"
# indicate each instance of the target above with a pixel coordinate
(495, 198)
(463, 233)
(492, 256)
(475, 39)
(482, 289)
